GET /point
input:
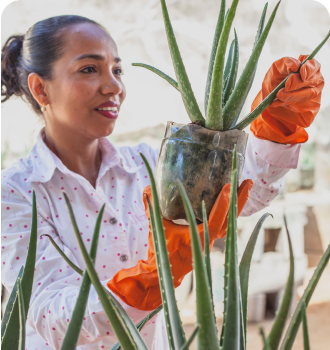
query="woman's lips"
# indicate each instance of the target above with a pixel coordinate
(109, 114)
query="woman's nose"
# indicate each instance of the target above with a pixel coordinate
(111, 85)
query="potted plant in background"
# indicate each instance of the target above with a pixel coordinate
(200, 153)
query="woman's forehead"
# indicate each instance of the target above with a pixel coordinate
(87, 37)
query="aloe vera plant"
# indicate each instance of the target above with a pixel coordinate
(233, 335)
(224, 98)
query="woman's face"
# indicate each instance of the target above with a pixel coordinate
(85, 79)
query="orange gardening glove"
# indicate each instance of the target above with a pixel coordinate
(138, 286)
(295, 106)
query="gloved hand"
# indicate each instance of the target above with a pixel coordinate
(295, 106)
(138, 286)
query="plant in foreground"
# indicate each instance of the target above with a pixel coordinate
(233, 334)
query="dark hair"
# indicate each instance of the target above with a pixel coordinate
(36, 51)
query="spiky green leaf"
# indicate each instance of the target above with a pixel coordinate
(238, 96)
(10, 303)
(207, 335)
(305, 329)
(160, 270)
(72, 335)
(159, 73)
(217, 34)
(229, 87)
(191, 338)
(275, 334)
(67, 260)
(292, 330)
(270, 98)
(245, 264)
(187, 94)
(259, 32)
(207, 259)
(214, 118)
(232, 313)
(170, 307)
(140, 325)
(22, 316)
(11, 336)
(229, 63)
(264, 339)
(121, 329)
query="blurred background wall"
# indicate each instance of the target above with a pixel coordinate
(138, 29)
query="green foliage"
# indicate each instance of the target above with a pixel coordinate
(305, 330)
(236, 283)
(10, 339)
(224, 99)
(244, 267)
(72, 335)
(173, 322)
(282, 313)
(207, 336)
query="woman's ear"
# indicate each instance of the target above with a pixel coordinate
(37, 88)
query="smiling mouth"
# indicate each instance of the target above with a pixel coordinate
(112, 109)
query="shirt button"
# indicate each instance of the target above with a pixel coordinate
(123, 257)
(113, 221)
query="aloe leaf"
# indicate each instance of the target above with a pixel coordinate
(232, 314)
(171, 310)
(275, 334)
(207, 335)
(191, 338)
(218, 30)
(120, 328)
(72, 335)
(245, 264)
(292, 330)
(214, 118)
(11, 335)
(159, 73)
(160, 271)
(140, 325)
(68, 261)
(228, 63)
(238, 96)
(207, 259)
(119, 309)
(10, 303)
(233, 73)
(305, 329)
(264, 339)
(259, 32)
(22, 316)
(270, 98)
(187, 94)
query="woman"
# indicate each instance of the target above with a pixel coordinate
(69, 71)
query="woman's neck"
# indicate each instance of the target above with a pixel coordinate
(80, 155)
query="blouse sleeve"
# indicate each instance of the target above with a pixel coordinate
(266, 163)
(56, 285)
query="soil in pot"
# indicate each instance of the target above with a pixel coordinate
(201, 159)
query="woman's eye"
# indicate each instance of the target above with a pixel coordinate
(119, 71)
(89, 70)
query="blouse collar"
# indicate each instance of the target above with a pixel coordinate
(44, 161)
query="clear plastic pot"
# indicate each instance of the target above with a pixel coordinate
(201, 158)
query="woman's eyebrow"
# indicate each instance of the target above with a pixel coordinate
(95, 57)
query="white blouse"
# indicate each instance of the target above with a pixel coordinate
(123, 236)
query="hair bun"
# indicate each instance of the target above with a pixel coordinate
(10, 58)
